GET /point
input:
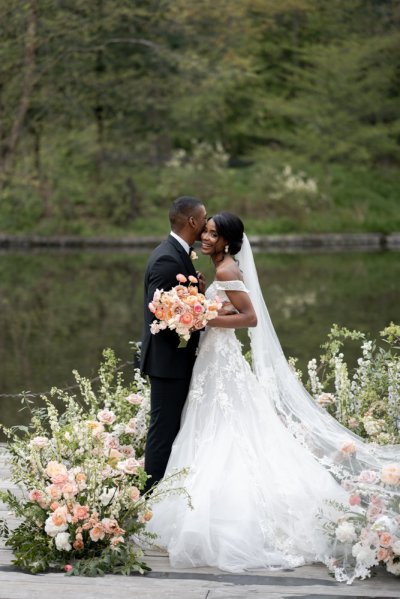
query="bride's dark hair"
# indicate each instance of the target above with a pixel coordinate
(231, 228)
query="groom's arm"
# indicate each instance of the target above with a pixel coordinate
(163, 274)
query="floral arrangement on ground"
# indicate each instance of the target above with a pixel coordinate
(80, 474)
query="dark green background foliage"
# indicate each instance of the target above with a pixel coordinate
(96, 97)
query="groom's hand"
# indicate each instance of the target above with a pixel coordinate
(202, 281)
(227, 309)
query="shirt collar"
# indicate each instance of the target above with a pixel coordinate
(183, 243)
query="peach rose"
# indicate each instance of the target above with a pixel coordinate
(97, 532)
(116, 541)
(193, 291)
(159, 313)
(54, 492)
(147, 516)
(60, 479)
(69, 490)
(348, 448)
(192, 279)
(60, 516)
(181, 278)
(78, 545)
(54, 506)
(385, 539)
(80, 477)
(382, 554)
(186, 319)
(96, 427)
(81, 511)
(110, 525)
(54, 468)
(390, 474)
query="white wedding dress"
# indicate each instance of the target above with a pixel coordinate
(261, 456)
(255, 490)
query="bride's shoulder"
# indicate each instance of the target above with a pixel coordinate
(228, 272)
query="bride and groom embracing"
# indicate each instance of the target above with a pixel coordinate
(260, 452)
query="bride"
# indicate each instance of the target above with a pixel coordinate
(260, 453)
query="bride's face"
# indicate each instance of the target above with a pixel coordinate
(211, 242)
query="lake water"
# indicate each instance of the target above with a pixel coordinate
(59, 309)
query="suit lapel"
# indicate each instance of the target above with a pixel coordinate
(186, 261)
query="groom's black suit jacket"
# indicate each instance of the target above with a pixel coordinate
(160, 356)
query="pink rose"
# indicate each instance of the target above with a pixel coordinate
(54, 492)
(152, 307)
(354, 500)
(35, 495)
(106, 417)
(198, 308)
(134, 493)
(181, 278)
(192, 279)
(135, 399)
(67, 568)
(128, 466)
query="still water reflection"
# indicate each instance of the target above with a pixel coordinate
(59, 310)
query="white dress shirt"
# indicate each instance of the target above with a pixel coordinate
(183, 243)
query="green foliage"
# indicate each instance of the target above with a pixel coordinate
(97, 99)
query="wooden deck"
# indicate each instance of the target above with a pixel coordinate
(199, 583)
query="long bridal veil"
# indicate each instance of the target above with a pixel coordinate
(336, 447)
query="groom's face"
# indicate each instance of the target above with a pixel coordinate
(200, 220)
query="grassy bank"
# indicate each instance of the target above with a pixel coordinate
(274, 192)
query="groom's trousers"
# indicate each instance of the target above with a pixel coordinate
(167, 400)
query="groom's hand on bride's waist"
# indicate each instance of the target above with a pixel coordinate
(201, 281)
(227, 309)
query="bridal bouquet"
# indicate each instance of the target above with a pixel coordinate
(79, 476)
(182, 309)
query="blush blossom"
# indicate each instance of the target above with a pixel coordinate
(135, 399)
(106, 416)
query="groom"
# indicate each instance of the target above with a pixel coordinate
(168, 367)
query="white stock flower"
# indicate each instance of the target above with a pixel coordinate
(62, 541)
(39, 442)
(366, 556)
(345, 532)
(107, 495)
(393, 567)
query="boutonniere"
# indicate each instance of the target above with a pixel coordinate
(193, 255)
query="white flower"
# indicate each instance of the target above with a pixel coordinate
(107, 495)
(39, 442)
(51, 529)
(366, 556)
(62, 541)
(193, 255)
(393, 567)
(383, 523)
(345, 532)
(396, 547)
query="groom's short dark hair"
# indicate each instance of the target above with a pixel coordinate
(181, 209)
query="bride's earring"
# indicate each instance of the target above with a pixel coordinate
(226, 249)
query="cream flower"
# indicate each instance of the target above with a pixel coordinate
(62, 541)
(390, 474)
(55, 469)
(345, 532)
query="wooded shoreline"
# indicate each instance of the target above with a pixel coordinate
(366, 241)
